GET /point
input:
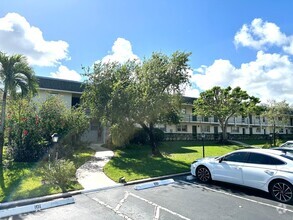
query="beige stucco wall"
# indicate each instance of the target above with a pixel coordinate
(43, 95)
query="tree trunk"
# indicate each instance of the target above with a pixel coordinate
(2, 127)
(150, 131)
(224, 131)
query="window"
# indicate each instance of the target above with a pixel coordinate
(258, 130)
(288, 156)
(183, 111)
(235, 129)
(182, 128)
(206, 119)
(206, 129)
(236, 157)
(263, 159)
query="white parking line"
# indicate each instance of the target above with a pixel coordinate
(156, 205)
(122, 201)
(157, 213)
(239, 197)
(109, 207)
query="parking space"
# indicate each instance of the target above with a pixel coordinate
(180, 200)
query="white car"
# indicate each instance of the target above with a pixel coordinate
(287, 144)
(267, 170)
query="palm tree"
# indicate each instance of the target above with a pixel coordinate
(17, 77)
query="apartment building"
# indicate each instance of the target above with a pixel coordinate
(192, 126)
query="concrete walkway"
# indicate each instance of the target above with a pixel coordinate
(91, 175)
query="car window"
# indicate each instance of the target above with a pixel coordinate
(236, 157)
(263, 159)
(288, 156)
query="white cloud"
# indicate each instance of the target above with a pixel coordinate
(121, 52)
(270, 76)
(260, 34)
(64, 73)
(18, 36)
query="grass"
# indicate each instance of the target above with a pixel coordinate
(135, 162)
(22, 180)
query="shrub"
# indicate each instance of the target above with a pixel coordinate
(159, 135)
(266, 146)
(23, 131)
(29, 128)
(142, 137)
(278, 142)
(139, 137)
(61, 173)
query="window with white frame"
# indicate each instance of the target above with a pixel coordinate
(258, 130)
(206, 128)
(182, 128)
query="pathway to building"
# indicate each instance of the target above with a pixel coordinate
(91, 175)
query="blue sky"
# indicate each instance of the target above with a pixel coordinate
(242, 43)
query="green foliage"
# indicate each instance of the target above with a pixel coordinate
(159, 135)
(23, 180)
(30, 128)
(266, 146)
(279, 142)
(124, 95)
(18, 79)
(224, 103)
(141, 136)
(53, 118)
(24, 131)
(61, 173)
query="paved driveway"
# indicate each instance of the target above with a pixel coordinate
(181, 200)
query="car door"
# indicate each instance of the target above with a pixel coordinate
(229, 168)
(259, 169)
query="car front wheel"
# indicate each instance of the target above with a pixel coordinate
(282, 191)
(203, 174)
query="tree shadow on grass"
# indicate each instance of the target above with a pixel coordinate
(145, 167)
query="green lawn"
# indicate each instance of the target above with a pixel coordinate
(135, 162)
(21, 180)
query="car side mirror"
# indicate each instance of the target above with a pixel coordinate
(221, 159)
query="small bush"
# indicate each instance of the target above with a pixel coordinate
(142, 137)
(279, 142)
(159, 135)
(266, 146)
(61, 173)
(139, 137)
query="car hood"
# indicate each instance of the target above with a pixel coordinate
(206, 159)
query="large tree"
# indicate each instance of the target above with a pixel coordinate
(17, 78)
(223, 103)
(123, 96)
(277, 115)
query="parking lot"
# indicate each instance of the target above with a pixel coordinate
(180, 200)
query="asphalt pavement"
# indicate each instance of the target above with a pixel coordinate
(181, 200)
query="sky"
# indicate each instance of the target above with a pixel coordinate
(246, 43)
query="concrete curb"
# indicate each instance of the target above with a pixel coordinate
(156, 178)
(23, 202)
